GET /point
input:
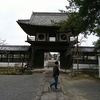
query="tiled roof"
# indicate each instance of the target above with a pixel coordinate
(14, 47)
(45, 18)
(26, 47)
(85, 49)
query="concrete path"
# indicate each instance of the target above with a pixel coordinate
(70, 88)
(81, 88)
(45, 93)
(19, 87)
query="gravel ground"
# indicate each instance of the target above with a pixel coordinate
(19, 87)
(82, 88)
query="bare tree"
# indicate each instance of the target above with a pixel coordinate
(3, 50)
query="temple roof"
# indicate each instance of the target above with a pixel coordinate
(44, 18)
(42, 22)
(14, 47)
(26, 47)
(85, 49)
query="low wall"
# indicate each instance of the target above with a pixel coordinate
(11, 64)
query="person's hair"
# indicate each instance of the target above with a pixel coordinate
(56, 62)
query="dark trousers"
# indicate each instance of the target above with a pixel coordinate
(55, 82)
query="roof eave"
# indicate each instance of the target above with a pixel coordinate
(33, 29)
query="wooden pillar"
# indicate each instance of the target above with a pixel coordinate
(24, 57)
(12, 56)
(99, 64)
(39, 59)
(7, 57)
(1, 57)
(83, 58)
(65, 61)
(20, 57)
(33, 54)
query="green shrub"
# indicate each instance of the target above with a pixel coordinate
(21, 70)
(13, 73)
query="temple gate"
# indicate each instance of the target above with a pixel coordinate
(44, 36)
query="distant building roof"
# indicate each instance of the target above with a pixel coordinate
(26, 47)
(85, 49)
(45, 18)
(14, 47)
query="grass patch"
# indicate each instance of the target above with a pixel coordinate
(12, 70)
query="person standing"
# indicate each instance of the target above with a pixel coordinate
(55, 75)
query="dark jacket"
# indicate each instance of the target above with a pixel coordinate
(55, 71)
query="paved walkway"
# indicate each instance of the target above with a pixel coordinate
(81, 87)
(45, 93)
(70, 88)
(19, 87)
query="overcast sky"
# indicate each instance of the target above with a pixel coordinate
(12, 10)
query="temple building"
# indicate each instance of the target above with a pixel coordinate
(43, 35)
(47, 37)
